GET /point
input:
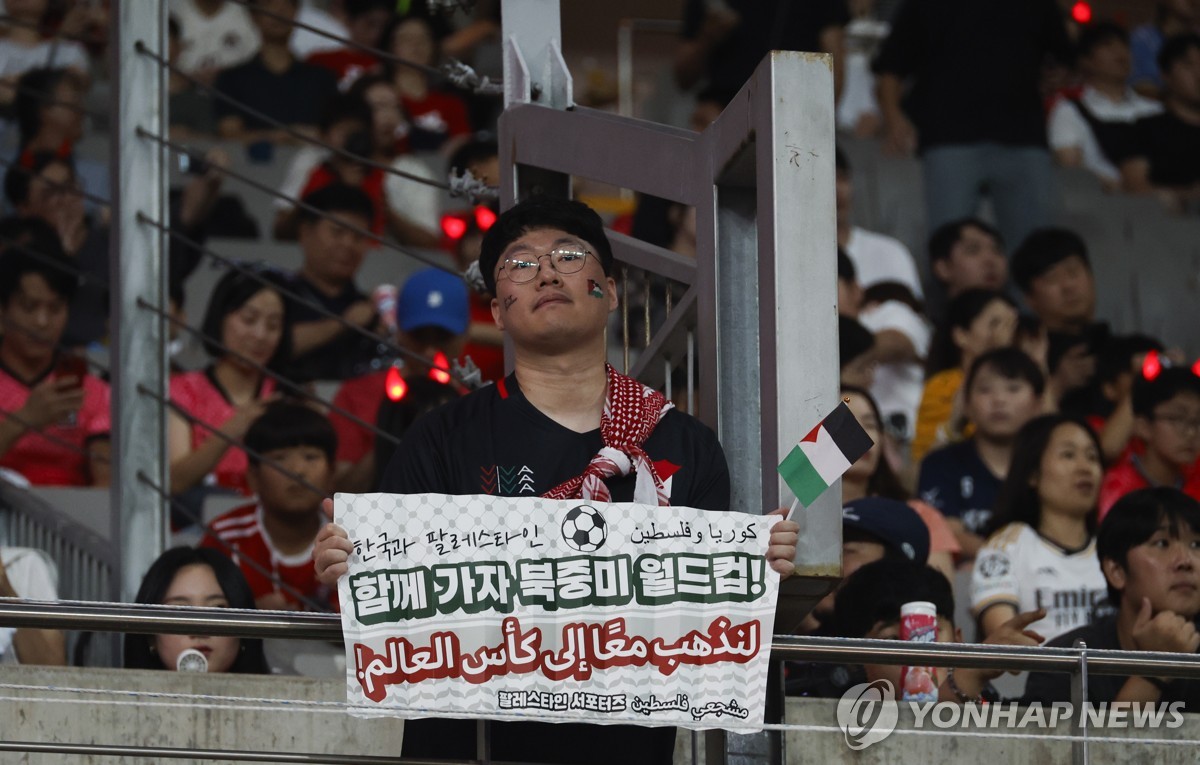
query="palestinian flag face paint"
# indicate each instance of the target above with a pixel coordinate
(594, 289)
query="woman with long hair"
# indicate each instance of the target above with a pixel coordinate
(186, 576)
(1042, 552)
(249, 320)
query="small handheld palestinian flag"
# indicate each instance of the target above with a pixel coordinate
(824, 454)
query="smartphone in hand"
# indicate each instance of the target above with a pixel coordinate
(71, 365)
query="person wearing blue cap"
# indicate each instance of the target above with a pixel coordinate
(431, 321)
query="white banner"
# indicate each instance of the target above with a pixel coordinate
(480, 606)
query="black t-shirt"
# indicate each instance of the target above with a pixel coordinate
(295, 97)
(1048, 687)
(1170, 146)
(956, 481)
(765, 25)
(975, 67)
(493, 441)
(349, 354)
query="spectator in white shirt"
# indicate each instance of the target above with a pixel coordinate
(1095, 130)
(214, 35)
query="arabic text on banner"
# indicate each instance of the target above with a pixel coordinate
(511, 608)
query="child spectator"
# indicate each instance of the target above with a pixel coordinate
(365, 23)
(873, 476)
(877, 258)
(30, 574)
(1166, 412)
(213, 35)
(250, 322)
(977, 321)
(1165, 160)
(856, 349)
(273, 82)
(431, 320)
(278, 530)
(1149, 550)
(1171, 18)
(324, 348)
(183, 576)
(1003, 390)
(967, 254)
(1095, 129)
(439, 119)
(1043, 552)
(55, 427)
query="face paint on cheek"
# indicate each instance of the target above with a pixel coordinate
(508, 301)
(594, 289)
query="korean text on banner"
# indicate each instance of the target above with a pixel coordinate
(510, 608)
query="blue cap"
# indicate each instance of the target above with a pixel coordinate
(894, 523)
(433, 298)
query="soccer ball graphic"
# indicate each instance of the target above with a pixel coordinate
(584, 529)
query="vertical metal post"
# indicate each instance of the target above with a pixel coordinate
(137, 270)
(1079, 698)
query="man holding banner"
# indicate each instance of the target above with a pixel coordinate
(563, 426)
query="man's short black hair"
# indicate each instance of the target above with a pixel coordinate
(539, 213)
(285, 425)
(942, 242)
(1011, 364)
(1170, 382)
(874, 594)
(20, 175)
(1175, 49)
(1097, 34)
(1135, 517)
(853, 339)
(36, 256)
(334, 199)
(1042, 250)
(846, 270)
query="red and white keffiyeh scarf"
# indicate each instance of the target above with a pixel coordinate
(631, 411)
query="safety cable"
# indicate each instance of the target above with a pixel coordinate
(99, 201)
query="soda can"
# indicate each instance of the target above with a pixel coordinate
(918, 624)
(384, 297)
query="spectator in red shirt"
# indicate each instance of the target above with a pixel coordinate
(55, 426)
(1166, 414)
(365, 21)
(250, 320)
(276, 533)
(431, 316)
(439, 119)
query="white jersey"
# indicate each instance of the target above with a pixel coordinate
(1020, 567)
(33, 576)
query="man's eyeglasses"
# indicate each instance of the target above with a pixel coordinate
(521, 269)
(1181, 424)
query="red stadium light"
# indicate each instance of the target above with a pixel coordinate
(439, 372)
(1081, 12)
(394, 385)
(454, 227)
(484, 218)
(1152, 366)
